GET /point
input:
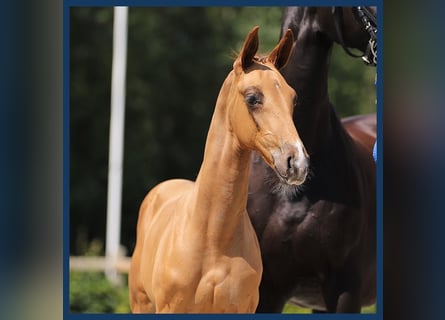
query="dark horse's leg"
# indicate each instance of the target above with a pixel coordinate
(274, 291)
(342, 293)
(271, 299)
(348, 302)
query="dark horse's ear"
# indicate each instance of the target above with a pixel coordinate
(250, 47)
(281, 52)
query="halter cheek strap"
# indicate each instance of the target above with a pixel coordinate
(338, 15)
(369, 21)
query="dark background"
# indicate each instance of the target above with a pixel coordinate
(31, 160)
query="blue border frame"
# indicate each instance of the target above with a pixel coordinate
(67, 4)
(216, 3)
(380, 164)
(66, 157)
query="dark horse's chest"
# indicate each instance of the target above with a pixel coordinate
(317, 233)
(306, 236)
(318, 224)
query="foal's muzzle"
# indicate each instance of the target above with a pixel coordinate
(291, 163)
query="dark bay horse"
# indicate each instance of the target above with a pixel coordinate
(318, 240)
(196, 250)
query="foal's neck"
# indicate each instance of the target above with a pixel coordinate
(221, 185)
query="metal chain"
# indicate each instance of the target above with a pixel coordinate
(370, 58)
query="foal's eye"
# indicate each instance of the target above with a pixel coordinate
(251, 100)
(254, 100)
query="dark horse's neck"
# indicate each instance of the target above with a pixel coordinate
(307, 73)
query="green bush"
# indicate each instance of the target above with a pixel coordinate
(91, 292)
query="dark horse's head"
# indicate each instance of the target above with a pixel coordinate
(351, 27)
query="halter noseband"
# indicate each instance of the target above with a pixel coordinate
(369, 22)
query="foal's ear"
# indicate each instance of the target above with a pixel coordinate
(250, 47)
(281, 52)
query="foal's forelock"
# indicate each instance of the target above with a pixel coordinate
(260, 59)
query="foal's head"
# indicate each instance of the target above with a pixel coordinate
(261, 114)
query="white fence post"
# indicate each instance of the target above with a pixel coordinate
(116, 142)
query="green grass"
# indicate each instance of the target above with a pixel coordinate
(370, 309)
(290, 308)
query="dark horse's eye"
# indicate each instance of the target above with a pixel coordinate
(254, 99)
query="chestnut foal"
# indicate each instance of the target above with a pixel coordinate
(196, 250)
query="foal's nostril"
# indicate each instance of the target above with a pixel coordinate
(298, 165)
(289, 163)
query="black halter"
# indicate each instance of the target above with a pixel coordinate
(369, 22)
